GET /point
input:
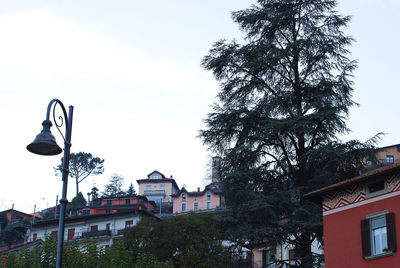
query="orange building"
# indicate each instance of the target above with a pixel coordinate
(119, 204)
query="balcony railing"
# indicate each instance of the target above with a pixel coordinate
(97, 233)
(154, 192)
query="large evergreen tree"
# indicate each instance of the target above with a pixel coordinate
(284, 98)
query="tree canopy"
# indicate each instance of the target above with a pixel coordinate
(285, 95)
(189, 240)
(81, 166)
(114, 187)
(131, 190)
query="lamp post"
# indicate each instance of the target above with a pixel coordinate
(45, 144)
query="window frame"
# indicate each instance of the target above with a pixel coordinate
(367, 235)
(390, 157)
(369, 194)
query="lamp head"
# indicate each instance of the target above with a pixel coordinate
(45, 143)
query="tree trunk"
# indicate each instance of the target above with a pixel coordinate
(306, 258)
(77, 186)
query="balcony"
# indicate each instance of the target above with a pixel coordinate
(154, 192)
(97, 233)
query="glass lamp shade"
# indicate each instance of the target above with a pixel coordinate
(45, 143)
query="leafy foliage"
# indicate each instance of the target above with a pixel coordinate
(189, 240)
(95, 196)
(76, 203)
(9, 235)
(114, 187)
(85, 253)
(284, 98)
(81, 165)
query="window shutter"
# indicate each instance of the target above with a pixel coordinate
(391, 232)
(365, 238)
(264, 258)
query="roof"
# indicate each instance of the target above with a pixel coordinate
(355, 180)
(208, 187)
(17, 211)
(389, 146)
(79, 218)
(155, 171)
(18, 247)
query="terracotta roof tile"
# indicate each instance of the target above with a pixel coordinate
(363, 177)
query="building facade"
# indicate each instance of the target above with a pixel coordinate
(387, 155)
(102, 227)
(208, 199)
(119, 204)
(157, 187)
(360, 218)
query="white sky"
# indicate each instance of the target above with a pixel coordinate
(132, 71)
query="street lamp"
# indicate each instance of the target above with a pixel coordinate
(45, 144)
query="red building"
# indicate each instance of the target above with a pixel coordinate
(119, 204)
(360, 218)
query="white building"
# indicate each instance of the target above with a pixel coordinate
(103, 227)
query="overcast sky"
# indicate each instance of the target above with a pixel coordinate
(132, 71)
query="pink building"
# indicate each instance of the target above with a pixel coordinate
(208, 199)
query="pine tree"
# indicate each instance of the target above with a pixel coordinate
(131, 190)
(114, 187)
(284, 98)
(81, 166)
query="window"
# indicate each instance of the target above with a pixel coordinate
(184, 198)
(292, 258)
(107, 211)
(148, 187)
(54, 233)
(183, 207)
(196, 206)
(390, 159)
(109, 203)
(129, 223)
(127, 201)
(208, 196)
(268, 258)
(71, 233)
(108, 227)
(34, 237)
(155, 176)
(376, 188)
(94, 228)
(208, 205)
(86, 212)
(378, 235)
(162, 186)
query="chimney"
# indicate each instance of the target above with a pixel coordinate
(198, 189)
(216, 164)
